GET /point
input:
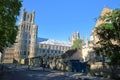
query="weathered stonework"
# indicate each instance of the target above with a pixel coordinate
(25, 46)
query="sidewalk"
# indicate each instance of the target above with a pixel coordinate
(77, 76)
(37, 73)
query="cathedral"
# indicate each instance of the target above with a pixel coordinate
(28, 45)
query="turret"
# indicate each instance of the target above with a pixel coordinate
(87, 43)
(23, 14)
(33, 16)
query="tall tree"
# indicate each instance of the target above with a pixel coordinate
(109, 36)
(77, 43)
(9, 10)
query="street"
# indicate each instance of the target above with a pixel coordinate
(24, 74)
(37, 73)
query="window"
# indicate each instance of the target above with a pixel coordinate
(24, 53)
(28, 52)
(55, 51)
(24, 16)
(29, 41)
(59, 52)
(48, 51)
(51, 51)
(43, 50)
(28, 16)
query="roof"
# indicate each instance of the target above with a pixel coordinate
(53, 42)
(69, 53)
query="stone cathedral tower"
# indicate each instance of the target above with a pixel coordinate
(75, 36)
(27, 37)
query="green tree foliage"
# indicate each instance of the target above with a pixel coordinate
(9, 10)
(109, 37)
(77, 43)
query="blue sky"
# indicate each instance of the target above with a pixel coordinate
(57, 19)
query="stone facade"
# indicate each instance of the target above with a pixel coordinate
(52, 48)
(104, 70)
(75, 35)
(28, 45)
(93, 37)
(25, 46)
(87, 49)
(7, 57)
(27, 37)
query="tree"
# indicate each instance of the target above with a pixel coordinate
(9, 10)
(109, 37)
(77, 43)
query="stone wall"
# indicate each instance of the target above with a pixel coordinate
(58, 64)
(104, 70)
(55, 63)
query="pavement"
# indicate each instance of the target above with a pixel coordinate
(37, 73)
(74, 75)
(33, 75)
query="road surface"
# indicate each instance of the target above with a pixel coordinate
(33, 75)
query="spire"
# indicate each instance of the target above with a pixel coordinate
(82, 40)
(69, 39)
(23, 14)
(33, 16)
(87, 43)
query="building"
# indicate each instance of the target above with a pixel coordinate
(28, 46)
(52, 47)
(87, 51)
(75, 35)
(93, 36)
(25, 46)
(26, 40)
(8, 56)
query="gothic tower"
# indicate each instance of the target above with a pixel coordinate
(75, 36)
(27, 37)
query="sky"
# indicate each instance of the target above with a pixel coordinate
(57, 19)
